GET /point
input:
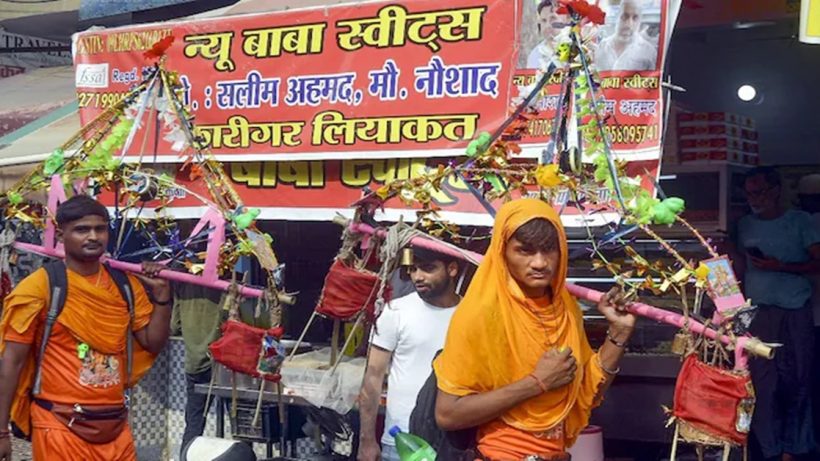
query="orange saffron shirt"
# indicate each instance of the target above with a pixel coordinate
(85, 358)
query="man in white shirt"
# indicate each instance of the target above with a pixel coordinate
(627, 49)
(549, 26)
(407, 336)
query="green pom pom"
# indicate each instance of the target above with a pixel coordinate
(494, 181)
(479, 144)
(54, 162)
(472, 149)
(675, 204)
(244, 220)
(661, 214)
(14, 198)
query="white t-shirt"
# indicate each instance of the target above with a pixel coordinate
(413, 331)
(540, 56)
(638, 55)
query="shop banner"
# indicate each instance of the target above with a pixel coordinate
(308, 107)
(628, 50)
(369, 80)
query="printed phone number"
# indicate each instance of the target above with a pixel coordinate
(99, 100)
(632, 134)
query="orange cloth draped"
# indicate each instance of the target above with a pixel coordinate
(94, 314)
(497, 335)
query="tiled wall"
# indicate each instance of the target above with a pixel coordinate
(158, 412)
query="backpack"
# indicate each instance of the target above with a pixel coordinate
(58, 285)
(449, 445)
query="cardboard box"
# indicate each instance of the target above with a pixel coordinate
(711, 142)
(751, 159)
(685, 118)
(751, 135)
(710, 129)
(719, 156)
(751, 147)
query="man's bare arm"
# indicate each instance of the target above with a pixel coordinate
(454, 413)
(610, 355)
(153, 337)
(14, 357)
(555, 368)
(378, 363)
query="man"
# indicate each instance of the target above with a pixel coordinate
(408, 334)
(517, 364)
(808, 192)
(626, 48)
(549, 27)
(84, 365)
(200, 316)
(781, 247)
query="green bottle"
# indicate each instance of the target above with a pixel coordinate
(411, 447)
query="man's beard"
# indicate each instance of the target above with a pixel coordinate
(433, 292)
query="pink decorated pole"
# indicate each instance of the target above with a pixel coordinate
(747, 344)
(56, 196)
(212, 220)
(215, 223)
(168, 274)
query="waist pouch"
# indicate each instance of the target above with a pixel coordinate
(96, 424)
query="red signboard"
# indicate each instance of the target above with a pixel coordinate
(371, 80)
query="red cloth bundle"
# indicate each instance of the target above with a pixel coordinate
(713, 401)
(347, 291)
(239, 348)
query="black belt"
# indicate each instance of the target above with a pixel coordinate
(114, 413)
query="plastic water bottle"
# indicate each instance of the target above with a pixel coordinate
(412, 447)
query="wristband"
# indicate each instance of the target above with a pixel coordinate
(609, 372)
(5, 435)
(167, 302)
(609, 337)
(540, 383)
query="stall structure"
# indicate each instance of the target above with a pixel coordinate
(380, 110)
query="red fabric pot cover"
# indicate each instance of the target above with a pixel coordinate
(347, 291)
(5, 287)
(239, 347)
(714, 401)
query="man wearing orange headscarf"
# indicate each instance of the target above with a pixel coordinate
(79, 413)
(516, 362)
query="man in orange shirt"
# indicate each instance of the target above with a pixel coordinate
(80, 411)
(516, 362)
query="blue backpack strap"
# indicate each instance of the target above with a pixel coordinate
(58, 288)
(123, 284)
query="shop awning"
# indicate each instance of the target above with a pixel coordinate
(41, 138)
(38, 112)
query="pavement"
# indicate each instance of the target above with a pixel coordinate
(20, 450)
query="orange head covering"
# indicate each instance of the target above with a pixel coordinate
(497, 334)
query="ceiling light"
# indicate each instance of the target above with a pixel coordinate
(746, 93)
